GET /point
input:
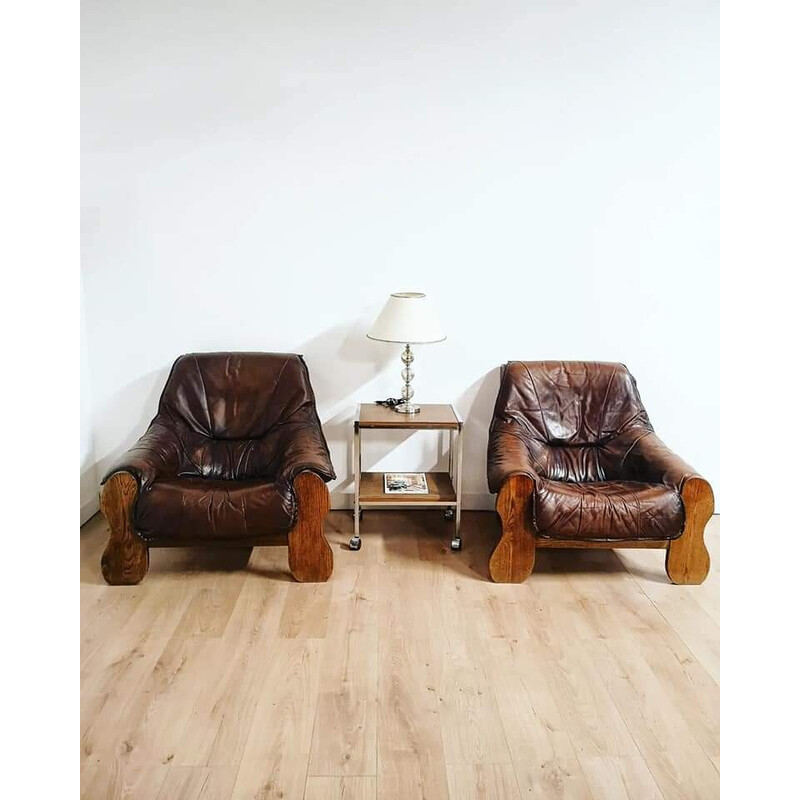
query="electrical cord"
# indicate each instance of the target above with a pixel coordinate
(389, 402)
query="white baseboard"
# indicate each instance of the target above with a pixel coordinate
(89, 509)
(472, 501)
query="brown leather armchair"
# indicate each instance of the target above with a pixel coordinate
(575, 463)
(234, 456)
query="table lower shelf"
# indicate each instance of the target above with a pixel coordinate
(440, 491)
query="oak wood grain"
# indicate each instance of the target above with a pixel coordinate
(310, 555)
(616, 544)
(688, 561)
(125, 559)
(436, 416)
(440, 490)
(407, 675)
(363, 787)
(513, 558)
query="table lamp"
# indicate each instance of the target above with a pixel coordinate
(407, 318)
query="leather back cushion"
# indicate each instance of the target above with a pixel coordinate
(230, 459)
(226, 396)
(230, 409)
(571, 414)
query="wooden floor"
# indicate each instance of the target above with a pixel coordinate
(407, 675)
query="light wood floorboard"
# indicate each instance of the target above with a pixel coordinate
(408, 675)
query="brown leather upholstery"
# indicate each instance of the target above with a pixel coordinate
(217, 462)
(196, 510)
(580, 431)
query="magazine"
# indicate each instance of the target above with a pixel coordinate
(405, 483)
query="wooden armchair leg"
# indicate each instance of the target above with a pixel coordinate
(310, 555)
(513, 558)
(126, 558)
(688, 561)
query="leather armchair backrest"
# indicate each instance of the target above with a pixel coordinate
(575, 416)
(229, 411)
(237, 395)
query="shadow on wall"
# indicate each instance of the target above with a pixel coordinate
(141, 398)
(476, 406)
(90, 501)
(341, 360)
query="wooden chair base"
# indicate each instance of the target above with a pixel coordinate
(310, 555)
(513, 558)
(126, 558)
(688, 561)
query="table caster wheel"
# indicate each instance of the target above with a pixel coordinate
(455, 544)
(355, 543)
(449, 514)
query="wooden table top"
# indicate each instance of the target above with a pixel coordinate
(436, 416)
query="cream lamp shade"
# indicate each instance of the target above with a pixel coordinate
(407, 318)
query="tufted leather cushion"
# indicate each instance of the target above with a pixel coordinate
(606, 510)
(581, 432)
(228, 396)
(197, 509)
(231, 433)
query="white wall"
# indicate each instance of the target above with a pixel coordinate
(261, 175)
(89, 499)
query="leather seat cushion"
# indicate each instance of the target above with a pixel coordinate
(198, 509)
(607, 510)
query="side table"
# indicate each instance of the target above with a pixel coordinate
(444, 488)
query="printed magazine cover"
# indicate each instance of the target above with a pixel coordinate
(405, 483)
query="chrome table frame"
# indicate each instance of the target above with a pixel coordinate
(455, 466)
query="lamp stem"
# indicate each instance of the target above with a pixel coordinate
(407, 407)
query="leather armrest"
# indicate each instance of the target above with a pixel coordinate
(649, 460)
(508, 455)
(303, 448)
(156, 455)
